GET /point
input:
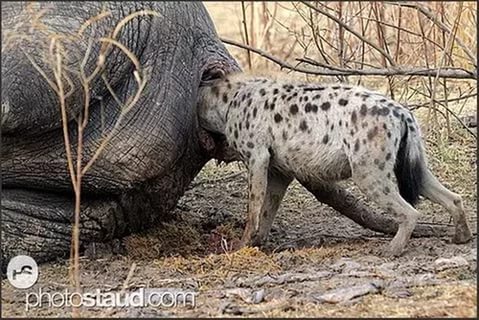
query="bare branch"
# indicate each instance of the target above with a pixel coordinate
(354, 32)
(456, 73)
(430, 15)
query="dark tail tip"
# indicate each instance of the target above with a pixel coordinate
(409, 172)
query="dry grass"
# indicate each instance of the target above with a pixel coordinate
(437, 301)
(357, 36)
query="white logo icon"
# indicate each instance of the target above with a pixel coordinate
(22, 272)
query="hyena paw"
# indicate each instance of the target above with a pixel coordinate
(390, 251)
(462, 235)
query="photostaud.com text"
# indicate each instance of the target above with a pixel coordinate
(143, 297)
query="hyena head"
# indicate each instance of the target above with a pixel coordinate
(211, 107)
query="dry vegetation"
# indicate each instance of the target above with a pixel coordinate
(382, 45)
(424, 55)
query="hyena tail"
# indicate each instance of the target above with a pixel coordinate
(410, 165)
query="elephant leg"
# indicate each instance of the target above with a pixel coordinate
(358, 210)
(40, 224)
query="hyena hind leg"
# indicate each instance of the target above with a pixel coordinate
(382, 189)
(436, 192)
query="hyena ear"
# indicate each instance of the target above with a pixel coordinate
(211, 76)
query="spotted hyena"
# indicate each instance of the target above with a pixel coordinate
(324, 133)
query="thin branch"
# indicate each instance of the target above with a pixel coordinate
(430, 15)
(351, 30)
(456, 73)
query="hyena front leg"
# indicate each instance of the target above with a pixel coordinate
(258, 164)
(276, 188)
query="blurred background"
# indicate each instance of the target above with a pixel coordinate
(382, 45)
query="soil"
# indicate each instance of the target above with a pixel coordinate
(316, 262)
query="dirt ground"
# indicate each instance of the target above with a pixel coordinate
(316, 262)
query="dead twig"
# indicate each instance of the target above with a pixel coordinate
(456, 73)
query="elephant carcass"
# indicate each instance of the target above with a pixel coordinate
(155, 151)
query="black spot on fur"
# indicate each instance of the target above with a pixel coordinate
(293, 109)
(386, 190)
(325, 139)
(332, 127)
(314, 89)
(388, 156)
(307, 108)
(396, 113)
(275, 91)
(314, 108)
(255, 112)
(412, 128)
(356, 145)
(381, 166)
(325, 106)
(384, 111)
(343, 102)
(250, 144)
(372, 133)
(303, 126)
(278, 118)
(236, 134)
(266, 105)
(364, 110)
(354, 117)
(318, 96)
(215, 90)
(389, 134)
(262, 92)
(247, 124)
(335, 87)
(225, 97)
(340, 123)
(249, 102)
(285, 135)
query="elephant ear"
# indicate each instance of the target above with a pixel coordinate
(211, 76)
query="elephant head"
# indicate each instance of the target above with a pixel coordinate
(156, 149)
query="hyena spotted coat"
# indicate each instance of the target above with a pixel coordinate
(323, 134)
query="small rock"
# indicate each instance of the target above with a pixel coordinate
(258, 296)
(345, 265)
(449, 263)
(346, 294)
